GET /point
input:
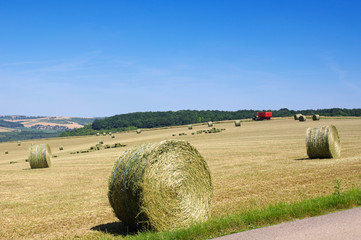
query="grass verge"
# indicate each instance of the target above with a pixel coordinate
(254, 218)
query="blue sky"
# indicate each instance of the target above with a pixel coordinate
(101, 58)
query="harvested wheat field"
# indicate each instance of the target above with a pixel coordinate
(260, 163)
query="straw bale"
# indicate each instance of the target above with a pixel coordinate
(297, 116)
(315, 117)
(210, 124)
(161, 186)
(61, 148)
(302, 118)
(237, 123)
(190, 127)
(139, 131)
(19, 143)
(323, 142)
(39, 156)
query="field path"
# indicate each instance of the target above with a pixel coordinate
(333, 226)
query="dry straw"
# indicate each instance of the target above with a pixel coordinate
(161, 186)
(237, 123)
(323, 142)
(316, 117)
(297, 116)
(39, 156)
(210, 124)
(302, 118)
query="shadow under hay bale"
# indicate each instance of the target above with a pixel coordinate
(39, 156)
(161, 186)
(323, 142)
(297, 116)
(316, 117)
(237, 123)
(302, 118)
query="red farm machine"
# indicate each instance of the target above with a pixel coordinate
(262, 116)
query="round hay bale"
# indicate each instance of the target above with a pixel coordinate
(139, 131)
(100, 141)
(210, 124)
(113, 136)
(110, 133)
(323, 142)
(302, 118)
(190, 127)
(297, 116)
(104, 133)
(161, 186)
(6, 152)
(315, 117)
(237, 123)
(61, 148)
(39, 156)
(19, 143)
(98, 134)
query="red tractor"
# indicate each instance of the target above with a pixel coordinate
(262, 116)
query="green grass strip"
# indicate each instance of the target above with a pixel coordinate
(255, 218)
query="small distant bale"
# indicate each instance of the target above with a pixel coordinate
(104, 133)
(6, 152)
(323, 142)
(173, 134)
(237, 123)
(161, 186)
(61, 148)
(101, 141)
(113, 136)
(315, 117)
(297, 116)
(39, 156)
(210, 124)
(139, 131)
(302, 118)
(19, 143)
(98, 134)
(13, 162)
(110, 133)
(190, 127)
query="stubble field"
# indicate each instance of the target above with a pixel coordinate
(253, 165)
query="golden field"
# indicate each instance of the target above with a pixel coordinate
(254, 165)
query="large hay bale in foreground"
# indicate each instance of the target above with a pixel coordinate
(315, 117)
(302, 118)
(237, 123)
(210, 124)
(39, 156)
(323, 142)
(161, 186)
(297, 116)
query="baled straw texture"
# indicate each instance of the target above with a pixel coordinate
(161, 186)
(237, 123)
(297, 116)
(316, 117)
(190, 127)
(139, 131)
(302, 118)
(210, 124)
(39, 156)
(323, 142)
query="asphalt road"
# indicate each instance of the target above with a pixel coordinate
(344, 225)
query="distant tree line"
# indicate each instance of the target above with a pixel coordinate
(10, 124)
(131, 121)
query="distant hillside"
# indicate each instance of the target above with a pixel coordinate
(162, 119)
(15, 128)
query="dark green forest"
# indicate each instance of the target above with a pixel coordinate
(10, 124)
(131, 121)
